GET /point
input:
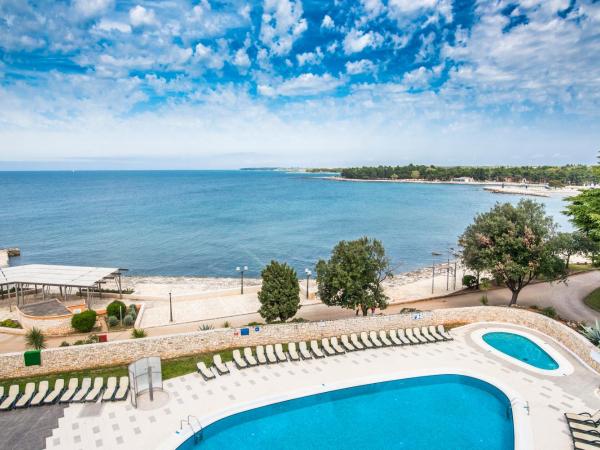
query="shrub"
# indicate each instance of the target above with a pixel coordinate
(592, 333)
(484, 300)
(84, 321)
(113, 321)
(137, 333)
(469, 281)
(550, 312)
(64, 344)
(128, 320)
(92, 339)
(116, 308)
(79, 342)
(254, 324)
(205, 327)
(10, 323)
(298, 320)
(35, 338)
(226, 324)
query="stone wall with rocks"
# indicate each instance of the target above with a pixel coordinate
(123, 352)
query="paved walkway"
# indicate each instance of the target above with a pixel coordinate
(28, 428)
(119, 425)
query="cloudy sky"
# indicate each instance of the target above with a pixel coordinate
(206, 83)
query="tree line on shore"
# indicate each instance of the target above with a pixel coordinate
(553, 175)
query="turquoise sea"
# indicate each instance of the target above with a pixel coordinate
(206, 223)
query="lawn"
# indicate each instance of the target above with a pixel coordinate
(593, 300)
(171, 368)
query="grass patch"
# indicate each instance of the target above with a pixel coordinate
(593, 300)
(574, 268)
(171, 368)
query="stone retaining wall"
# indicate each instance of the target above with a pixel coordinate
(123, 352)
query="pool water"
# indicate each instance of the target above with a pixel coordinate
(521, 348)
(433, 412)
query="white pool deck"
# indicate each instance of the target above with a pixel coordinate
(540, 426)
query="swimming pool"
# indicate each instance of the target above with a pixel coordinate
(431, 412)
(521, 348)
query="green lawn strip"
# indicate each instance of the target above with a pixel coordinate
(171, 368)
(593, 300)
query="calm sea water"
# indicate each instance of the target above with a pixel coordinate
(208, 222)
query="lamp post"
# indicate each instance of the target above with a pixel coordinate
(241, 270)
(456, 256)
(433, 255)
(308, 274)
(170, 308)
(450, 252)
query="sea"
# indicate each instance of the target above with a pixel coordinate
(207, 223)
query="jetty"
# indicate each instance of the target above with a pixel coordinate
(516, 191)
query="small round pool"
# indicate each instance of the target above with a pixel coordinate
(521, 348)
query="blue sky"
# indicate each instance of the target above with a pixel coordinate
(182, 84)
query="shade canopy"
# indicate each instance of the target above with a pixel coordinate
(53, 275)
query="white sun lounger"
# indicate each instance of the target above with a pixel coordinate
(346, 343)
(314, 347)
(9, 401)
(585, 417)
(437, 336)
(111, 387)
(86, 385)
(404, 337)
(584, 427)
(123, 389)
(280, 353)
(374, 339)
(250, 359)
(26, 397)
(328, 349)
(70, 392)
(303, 348)
(394, 338)
(204, 371)
(294, 356)
(419, 336)
(336, 345)
(356, 342)
(365, 340)
(584, 446)
(270, 354)
(411, 337)
(238, 360)
(384, 339)
(444, 333)
(59, 385)
(426, 335)
(260, 355)
(93, 395)
(220, 365)
(42, 391)
(586, 437)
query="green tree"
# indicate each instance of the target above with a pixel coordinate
(584, 211)
(569, 244)
(353, 275)
(35, 339)
(279, 295)
(513, 243)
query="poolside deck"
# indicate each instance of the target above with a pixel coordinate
(119, 425)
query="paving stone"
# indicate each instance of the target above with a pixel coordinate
(99, 443)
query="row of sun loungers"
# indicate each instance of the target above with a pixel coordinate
(585, 430)
(73, 393)
(271, 354)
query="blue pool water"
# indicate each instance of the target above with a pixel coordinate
(206, 223)
(521, 348)
(447, 412)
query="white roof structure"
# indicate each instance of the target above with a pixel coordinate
(52, 275)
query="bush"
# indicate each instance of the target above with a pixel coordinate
(226, 324)
(64, 344)
(254, 324)
(137, 333)
(592, 333)
(469, 281)
(84, 321)
(10, 323)
(92, 339)
(484, 300)
(550, 312)
(128, 320)
(35, 339)
(116, 308)
(113, 321)
(205, 327)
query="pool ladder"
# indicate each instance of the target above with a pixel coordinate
(196, 430)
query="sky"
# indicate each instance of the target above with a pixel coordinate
(311, 83)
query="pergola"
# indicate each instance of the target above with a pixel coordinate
(66, 278)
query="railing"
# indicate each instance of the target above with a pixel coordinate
(196, 431)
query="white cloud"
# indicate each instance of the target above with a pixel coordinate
(361, 66)
(373, 8)
(310, 58)
(210, 58)
(303, 85)
(92, 8)
(111, 25)
(140, 16)
(356, 41)
(281, 25)
(327, 22)
(241, 59)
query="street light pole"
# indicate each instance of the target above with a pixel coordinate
(433, 255)
(241, 270)
(170, 308)
(308, 274)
